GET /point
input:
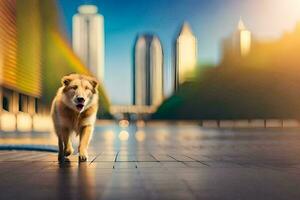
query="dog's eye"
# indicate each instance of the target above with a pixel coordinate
(74, 87)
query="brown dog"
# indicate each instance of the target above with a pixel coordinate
(74, 109)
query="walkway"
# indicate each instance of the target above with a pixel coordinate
(161, 161)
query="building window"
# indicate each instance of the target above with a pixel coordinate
(36, 105)
(20, 103)
(5, 103)
(7, 100)
(23, 103)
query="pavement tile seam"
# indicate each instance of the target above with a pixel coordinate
(95, 158)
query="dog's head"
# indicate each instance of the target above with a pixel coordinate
(79, 91)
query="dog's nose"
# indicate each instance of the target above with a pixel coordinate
(80, 99)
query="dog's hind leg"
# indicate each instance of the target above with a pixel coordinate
(85, 137)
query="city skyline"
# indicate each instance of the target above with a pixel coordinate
(126, 19)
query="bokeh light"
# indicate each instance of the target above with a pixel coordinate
(109, 135)
(140, 135)
(124, 123)
(124, 135)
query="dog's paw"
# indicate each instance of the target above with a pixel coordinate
(83, 158)
(61, 158)
(68, 151)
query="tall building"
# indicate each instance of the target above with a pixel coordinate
(238, 45)
(20, 60)
(88, 38)
(148, 71)
(242, 39)
(29, 76)
(185, 55)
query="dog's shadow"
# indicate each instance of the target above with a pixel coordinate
(76, 175)
(64, 163)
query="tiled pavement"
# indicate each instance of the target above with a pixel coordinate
(162, 161)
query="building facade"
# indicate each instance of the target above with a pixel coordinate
(20, 63)
(148, 71)
(88, 39)
(185, 55)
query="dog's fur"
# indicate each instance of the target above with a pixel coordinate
(74, 109)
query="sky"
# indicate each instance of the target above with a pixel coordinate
(210, 20)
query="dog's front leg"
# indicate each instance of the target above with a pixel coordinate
(85, 137)
(63, 135)
(68, 149)
(60, 148)
(59, 133)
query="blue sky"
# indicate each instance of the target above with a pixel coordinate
(211, 21)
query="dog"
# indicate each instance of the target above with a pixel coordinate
(74, 109)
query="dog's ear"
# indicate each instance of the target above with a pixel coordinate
(66, 80)
(94, 82)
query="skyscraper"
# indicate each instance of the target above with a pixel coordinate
(88, 38)
(242, 39)
(238, 45)
(148, 71)
(185, 55)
